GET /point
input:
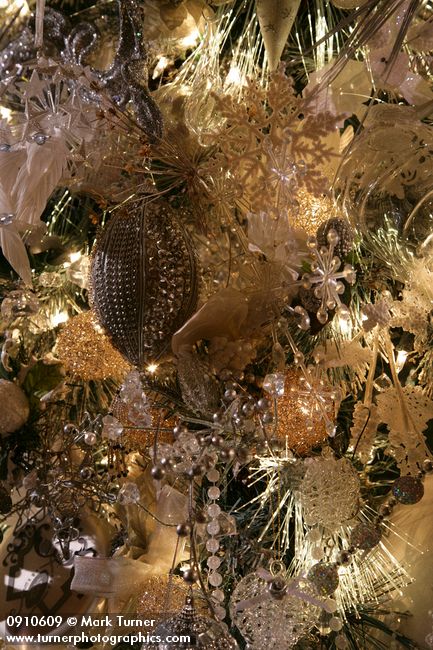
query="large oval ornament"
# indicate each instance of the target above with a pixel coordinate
(144, 280)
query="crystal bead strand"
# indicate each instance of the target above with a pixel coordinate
(213, 528)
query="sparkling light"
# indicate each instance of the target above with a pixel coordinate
(59, 317)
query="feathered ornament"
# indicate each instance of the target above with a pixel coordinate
(276, 18)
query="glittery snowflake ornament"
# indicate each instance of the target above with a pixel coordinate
(330, 492)
(202, 632)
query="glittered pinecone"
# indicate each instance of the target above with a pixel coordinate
(345, 234)
(144, 280)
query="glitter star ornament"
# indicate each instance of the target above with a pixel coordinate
(144, 280)
(204, 633)
(86, 352)
(330, 492)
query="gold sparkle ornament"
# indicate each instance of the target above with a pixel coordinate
(160, 594)
(86, 352)
(292, 421)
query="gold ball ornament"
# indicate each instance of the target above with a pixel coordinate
(86, 352)
(15, 407)
(159, 595)
(292, 421)
(311, 211)
(144, 280)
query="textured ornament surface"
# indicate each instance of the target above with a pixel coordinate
(330, 492)
(408, 490)
(267, 622)
(204, 632)
(86, 352)
(324, 577)
(345, 234)
(15, 409)
(365, 536)
(144, 280)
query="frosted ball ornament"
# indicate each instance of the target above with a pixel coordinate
(330, 492)
(204, 633)
(265, 618)
(15, 407)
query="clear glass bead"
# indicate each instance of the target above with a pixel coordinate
(213, 475)
(212, 545)
(215, 579)
(214, 562)
(214, 492)
(213, 510)
(213, 527)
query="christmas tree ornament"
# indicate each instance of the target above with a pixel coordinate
(144, 280)
(365, 536)
(292, 422)
(264, 607)
(200, 389)
(86, 352)
(408, 490)
(326, 275)
(276, 19)
(204, 632)
(324, 577)
(15, 407)
(165, 593)
(324, 478)
(345, 236)
(124, 79)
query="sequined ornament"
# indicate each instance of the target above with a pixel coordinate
(266, 621)
(408, 490)
(365, 536)
(345, 235)
(324, 479)
(293, 424)
(86, 352)
(324, 577)
(164, 593)
(203, 632)
(144, 280)
(15, 407)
